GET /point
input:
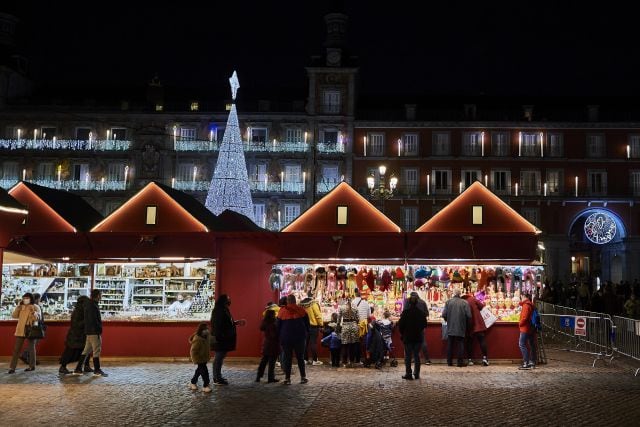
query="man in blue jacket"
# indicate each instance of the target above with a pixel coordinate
(293, 329)
(93, 330)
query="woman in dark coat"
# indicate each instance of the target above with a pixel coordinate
(223, 335)
(270, 347)
(75, 338)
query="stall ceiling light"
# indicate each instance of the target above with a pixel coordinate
(13, 210)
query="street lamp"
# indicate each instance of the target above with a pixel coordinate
(380, 191)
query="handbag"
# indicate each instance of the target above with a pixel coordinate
(445, 334)
(488, 317)
(35, 331)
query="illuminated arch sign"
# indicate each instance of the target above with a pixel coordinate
(600, 228)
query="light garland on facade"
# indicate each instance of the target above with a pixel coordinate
(71, 185)
(66, 144)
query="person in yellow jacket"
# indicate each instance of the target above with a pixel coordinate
(271, 306)
(312, 308)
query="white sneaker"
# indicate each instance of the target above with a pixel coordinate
(470, 362)
(207, 389)
(485, 362)
(193, 386)
(317, 363)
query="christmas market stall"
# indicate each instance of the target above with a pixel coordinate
(482, 246)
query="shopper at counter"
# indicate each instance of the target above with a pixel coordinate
(93, 330)
(25, 354)
(27, 314)
(476, 329)
(293, 329)
(312, 308)
(223, 335)
(76, 338)
(457, 313)
(422, 306)
(411, 325)
(348, 322)
(527, 333)
(362, 307)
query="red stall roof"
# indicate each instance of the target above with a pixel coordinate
(52, 210)
(497, 216)
(361, 216)
(499, 236)
(11, 215)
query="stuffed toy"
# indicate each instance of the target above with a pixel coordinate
(385, 281)
(360, 278)
(351, 284)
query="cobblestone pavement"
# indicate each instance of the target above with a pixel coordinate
(567, 391)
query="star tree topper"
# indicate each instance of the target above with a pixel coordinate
(235, 84)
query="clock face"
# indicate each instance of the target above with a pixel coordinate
(600, 228)
(333, 57)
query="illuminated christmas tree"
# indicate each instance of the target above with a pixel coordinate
(229, 187)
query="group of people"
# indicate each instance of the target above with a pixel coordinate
(83, 337)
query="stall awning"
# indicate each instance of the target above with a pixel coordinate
(342, 210)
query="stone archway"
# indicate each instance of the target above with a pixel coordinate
(597, 245)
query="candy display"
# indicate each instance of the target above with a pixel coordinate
(386, 287)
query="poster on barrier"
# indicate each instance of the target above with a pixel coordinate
(637, 328)
(581, 326)
(567, 322)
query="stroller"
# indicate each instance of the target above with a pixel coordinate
(378, 346)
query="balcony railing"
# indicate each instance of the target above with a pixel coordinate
(325, 186)
(276, 187)
(271, 147)
(66, 144)
(330, 147)
(191, 185)
(195, 145)
(72, 185)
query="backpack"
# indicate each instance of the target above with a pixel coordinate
(536, 321)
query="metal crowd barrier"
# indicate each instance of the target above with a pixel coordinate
(628, 338)
(605, 337)
(585, 332)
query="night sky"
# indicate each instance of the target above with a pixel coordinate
(471, 48)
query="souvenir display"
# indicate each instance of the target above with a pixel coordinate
(149, 291)
(387, 287)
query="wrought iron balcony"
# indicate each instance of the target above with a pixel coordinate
(195, 145)
(276, 187)
(331, 147)
(66, 144)
(72, 185)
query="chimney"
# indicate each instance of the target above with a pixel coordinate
(155, 94)
(410, 112)
(528, 112)
(593, 112)
(470, 111)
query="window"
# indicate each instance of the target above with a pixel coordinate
(597, 182)
(80, 172)
(45, 171)
(532, 215)
(409, 181)
(330, 174)
(291, 212)
(472, 144)
(118, 133)
(530, 182)
(195, 106)
(184, 172)
(635, 182)
(151, 215)
(468, 177)
(342, 215)
(259, 214)
(441, 181)
(258, 136)
(634, 146)
(258, 172)
(82, 134)
(330, 136)
(294, 135)
(500, 144)
(188, 134)
(530, 144)
(410, 218)
(376, 144)
(441, 145)
(595, 145)
(501, 181)
(556, 148)
(476, 215)
(331, 101)
(47, 133)
(410, 144)
(554, 182)
(115, 172)
(292, 174)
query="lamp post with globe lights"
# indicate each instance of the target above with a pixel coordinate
(380, 191)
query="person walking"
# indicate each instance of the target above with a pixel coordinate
(293, 330)
(223, 335)
(312, 308)
(25, 354)
(200, 354)
(76, 338)
(27, 314)
(422, 306)
(527, 333)
(456, 313)
(476, 330)
(270, 347)
(411, 325)
(93, 331)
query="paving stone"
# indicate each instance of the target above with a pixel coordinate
(566, 391)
